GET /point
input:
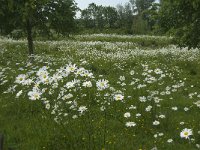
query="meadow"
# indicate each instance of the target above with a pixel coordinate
(100, 92)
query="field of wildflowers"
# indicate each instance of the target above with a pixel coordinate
(100, 92)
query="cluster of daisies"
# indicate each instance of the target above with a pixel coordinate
(141, 91)
(66, 93)
(149, 103)
(123, 51)
(63, 90)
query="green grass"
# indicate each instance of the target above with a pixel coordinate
(27, 125)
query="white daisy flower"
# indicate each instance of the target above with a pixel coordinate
(102, 84)
(169, 140)
(130, 124)
(155, 123)
(127, 115)
(118, 97)
(186, 133)
(20, 78)
(82, 109)
(87, 84)
(34, 95)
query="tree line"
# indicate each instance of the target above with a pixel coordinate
(134, 17)
(31, 18)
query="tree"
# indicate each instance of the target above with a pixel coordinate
(144, 15)
(181, 18)
(128, 16)
(86, 19)
(89, 15)
(151, 16)
(125, 14)
(56, 14)
(111, 17)
(99, 17)
(135, 16)
(142, 5)
(121, 15)
(140, 25)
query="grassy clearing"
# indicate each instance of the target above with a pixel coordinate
(150, 97)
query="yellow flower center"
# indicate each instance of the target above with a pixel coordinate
(102, 84)
(186, 133)
(36, 96)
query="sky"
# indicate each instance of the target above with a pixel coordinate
(82, 4)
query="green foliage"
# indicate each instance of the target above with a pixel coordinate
(17, 34)
(99, 17)
(139, 25)
(142, 5)
(42, 14)
(60, 16)
(146, 18)
(134, 17)
(181, 18)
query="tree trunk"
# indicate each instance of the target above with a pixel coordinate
(1, 141)
(29, 36)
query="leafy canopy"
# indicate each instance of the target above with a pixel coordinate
(181, 18)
